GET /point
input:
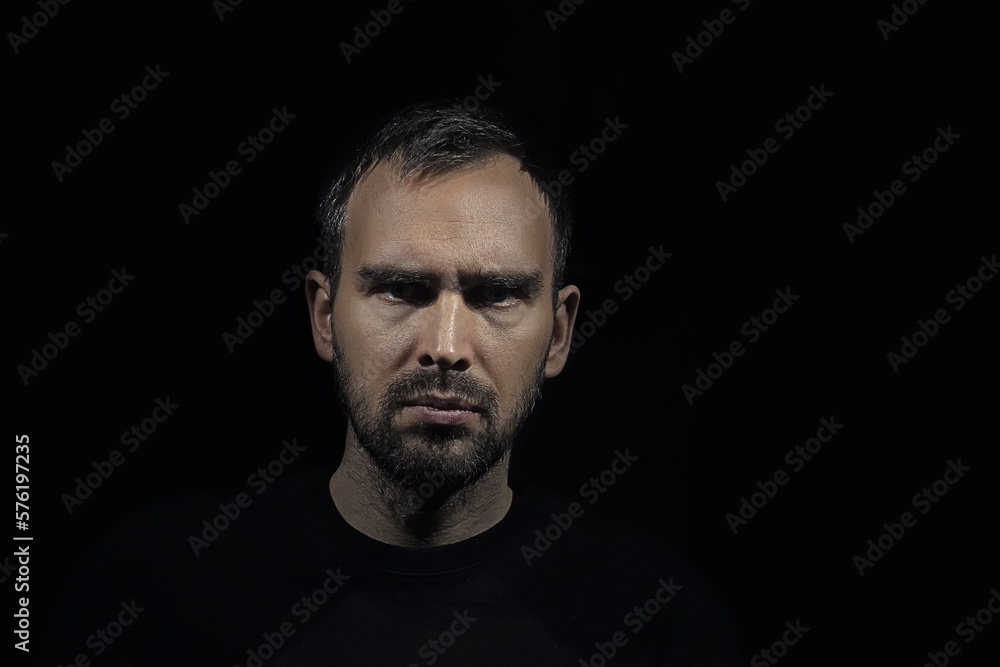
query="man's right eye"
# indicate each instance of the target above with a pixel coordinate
(395, 292)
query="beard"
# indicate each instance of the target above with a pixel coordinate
(452, 458)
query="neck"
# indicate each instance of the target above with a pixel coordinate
(402, 516)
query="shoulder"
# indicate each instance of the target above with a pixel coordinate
(637, 579)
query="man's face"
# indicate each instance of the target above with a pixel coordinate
(443, 319)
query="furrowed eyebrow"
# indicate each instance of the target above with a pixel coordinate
(376, 274)
(531, 282)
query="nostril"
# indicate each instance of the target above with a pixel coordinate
(444, 362)
(458, 366)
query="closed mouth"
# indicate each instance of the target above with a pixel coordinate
(438, 402)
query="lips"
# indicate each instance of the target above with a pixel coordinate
(444, 410)
(443, 403)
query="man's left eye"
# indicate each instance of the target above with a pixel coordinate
(495, 294)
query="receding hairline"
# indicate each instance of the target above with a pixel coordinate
(420, 178)
(422, 175)
(429, 177)
(432, 139)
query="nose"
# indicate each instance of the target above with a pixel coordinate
(447, 333)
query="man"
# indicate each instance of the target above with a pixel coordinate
(441, 314)
(441, 311)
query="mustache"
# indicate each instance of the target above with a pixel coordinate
(413, 384)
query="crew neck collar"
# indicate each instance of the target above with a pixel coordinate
(371, 553)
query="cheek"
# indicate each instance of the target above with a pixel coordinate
(368, 346)
(513, 360)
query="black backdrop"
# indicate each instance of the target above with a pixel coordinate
(655, 185)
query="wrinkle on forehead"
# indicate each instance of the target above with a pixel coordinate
(492, 207)
(383, 190)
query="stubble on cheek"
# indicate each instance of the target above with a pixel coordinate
(404, 452)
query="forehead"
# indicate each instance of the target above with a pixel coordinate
(483, 216)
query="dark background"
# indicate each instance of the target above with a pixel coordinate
(656, 184)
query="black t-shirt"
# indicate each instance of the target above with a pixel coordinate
(289, 582)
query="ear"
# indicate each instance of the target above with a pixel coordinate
(562, 331)
(320, 308)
